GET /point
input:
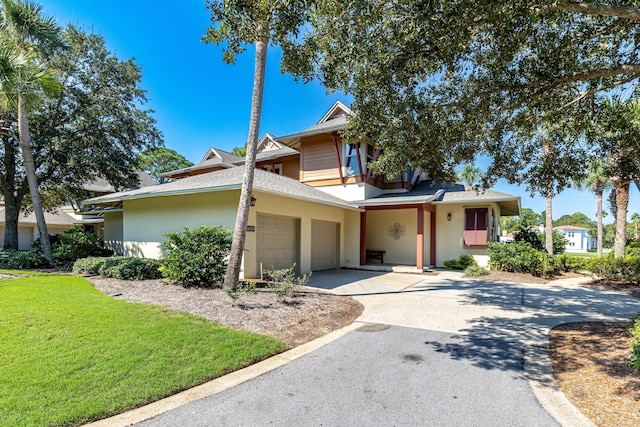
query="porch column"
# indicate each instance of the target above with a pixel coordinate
(432, 248)
(420, 240)
(363, 238)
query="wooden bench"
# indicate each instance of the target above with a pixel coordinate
(376, 254)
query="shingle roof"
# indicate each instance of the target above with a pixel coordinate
(330, 125)
(222, 159)
(58, 217)
(101, 185)
(569, 227)
(227, 179)
(429, 191)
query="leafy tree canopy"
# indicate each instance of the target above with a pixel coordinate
(577, 219)
(436, 83)
(158, 160)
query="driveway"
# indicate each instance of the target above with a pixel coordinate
(428, 350)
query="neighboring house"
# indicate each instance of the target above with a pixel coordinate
(93, 219)
(57, 222)
(316, 204)
(578, 238)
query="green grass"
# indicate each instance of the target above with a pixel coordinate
(582, 254)
(69, 354)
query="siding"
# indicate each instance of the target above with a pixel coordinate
(318, 159)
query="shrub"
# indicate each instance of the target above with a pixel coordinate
(461, 263)
(196, 257)
(520, 257)
(119, 267)
(73, 244)
(572, 263)
(284, 281)
(244, 288)
(475, 271)
(537, 240)
(634, 361)
(627, 269)
(22, 260)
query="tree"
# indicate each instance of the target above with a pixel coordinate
(237, 23)
(239, 151)
(158, 160)
(635, 219)
(93, 127)
(597, 181)
(34, 36)
(469, 175)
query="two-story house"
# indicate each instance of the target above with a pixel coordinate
(317, 204)
(578, 238)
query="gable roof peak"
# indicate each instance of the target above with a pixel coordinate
(338, 109)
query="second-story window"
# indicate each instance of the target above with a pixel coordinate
(351, 160)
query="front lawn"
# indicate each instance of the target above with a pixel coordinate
(70, 354)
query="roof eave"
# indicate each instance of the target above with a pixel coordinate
(161, 194)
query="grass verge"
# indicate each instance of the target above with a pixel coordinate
(71, 354)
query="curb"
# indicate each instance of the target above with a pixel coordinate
(220, 384)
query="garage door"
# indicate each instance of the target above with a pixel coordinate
(324, 245)
(277, 242)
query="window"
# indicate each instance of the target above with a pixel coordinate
(277, 169)
(353, 167)
(570, 234)
(476, 226)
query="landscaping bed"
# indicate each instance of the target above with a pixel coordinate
(297, 320)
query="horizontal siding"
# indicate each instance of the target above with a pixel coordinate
(319, 159)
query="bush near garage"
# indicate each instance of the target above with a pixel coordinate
(196, 257)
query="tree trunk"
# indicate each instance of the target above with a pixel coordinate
(548, 228)
(30, 168)
(599, 220)
(239, 233)
(621, 188)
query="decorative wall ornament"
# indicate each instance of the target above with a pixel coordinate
(397, 231)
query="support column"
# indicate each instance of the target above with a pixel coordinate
(363, 238)
(420, 240)
(432, 248)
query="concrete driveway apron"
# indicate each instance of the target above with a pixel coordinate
(436, 350)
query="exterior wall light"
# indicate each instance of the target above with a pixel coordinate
(253, 201)
(449, 216)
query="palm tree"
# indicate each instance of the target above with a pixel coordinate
(470, 175)
(28, 36)
(597, 181)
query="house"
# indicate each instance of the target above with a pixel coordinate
(315, 203)
(57, 222)
(578, 238)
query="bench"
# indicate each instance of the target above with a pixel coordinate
(376, 254)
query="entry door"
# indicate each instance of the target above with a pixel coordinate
(324, 245)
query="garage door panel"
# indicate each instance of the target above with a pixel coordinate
(277, 242)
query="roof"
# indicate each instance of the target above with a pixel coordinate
(569, 227)
(101, 185)
(215, 157)
(431, 191)
(335, 119)
(58, 217)
(457, 193)
(226, 179)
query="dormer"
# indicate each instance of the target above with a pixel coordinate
(215, 159)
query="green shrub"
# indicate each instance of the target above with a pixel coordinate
(566, 262)
(475, 271)
(284, 281)
(537, 240)
(634, 361)
(607, 268)
(73, 244)
(196, 257)
(520, 257)
(244, 288)
(461, 263)
(119, 267)
(22, 260)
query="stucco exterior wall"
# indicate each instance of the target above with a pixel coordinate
(449, 241)
(381, 236)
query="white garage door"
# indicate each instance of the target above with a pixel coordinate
(324, 245)
(277, 242)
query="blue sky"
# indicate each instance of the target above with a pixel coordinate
(200, 101)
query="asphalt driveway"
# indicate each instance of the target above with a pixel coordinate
(428, 350)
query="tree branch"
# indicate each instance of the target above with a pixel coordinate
(630, 13)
